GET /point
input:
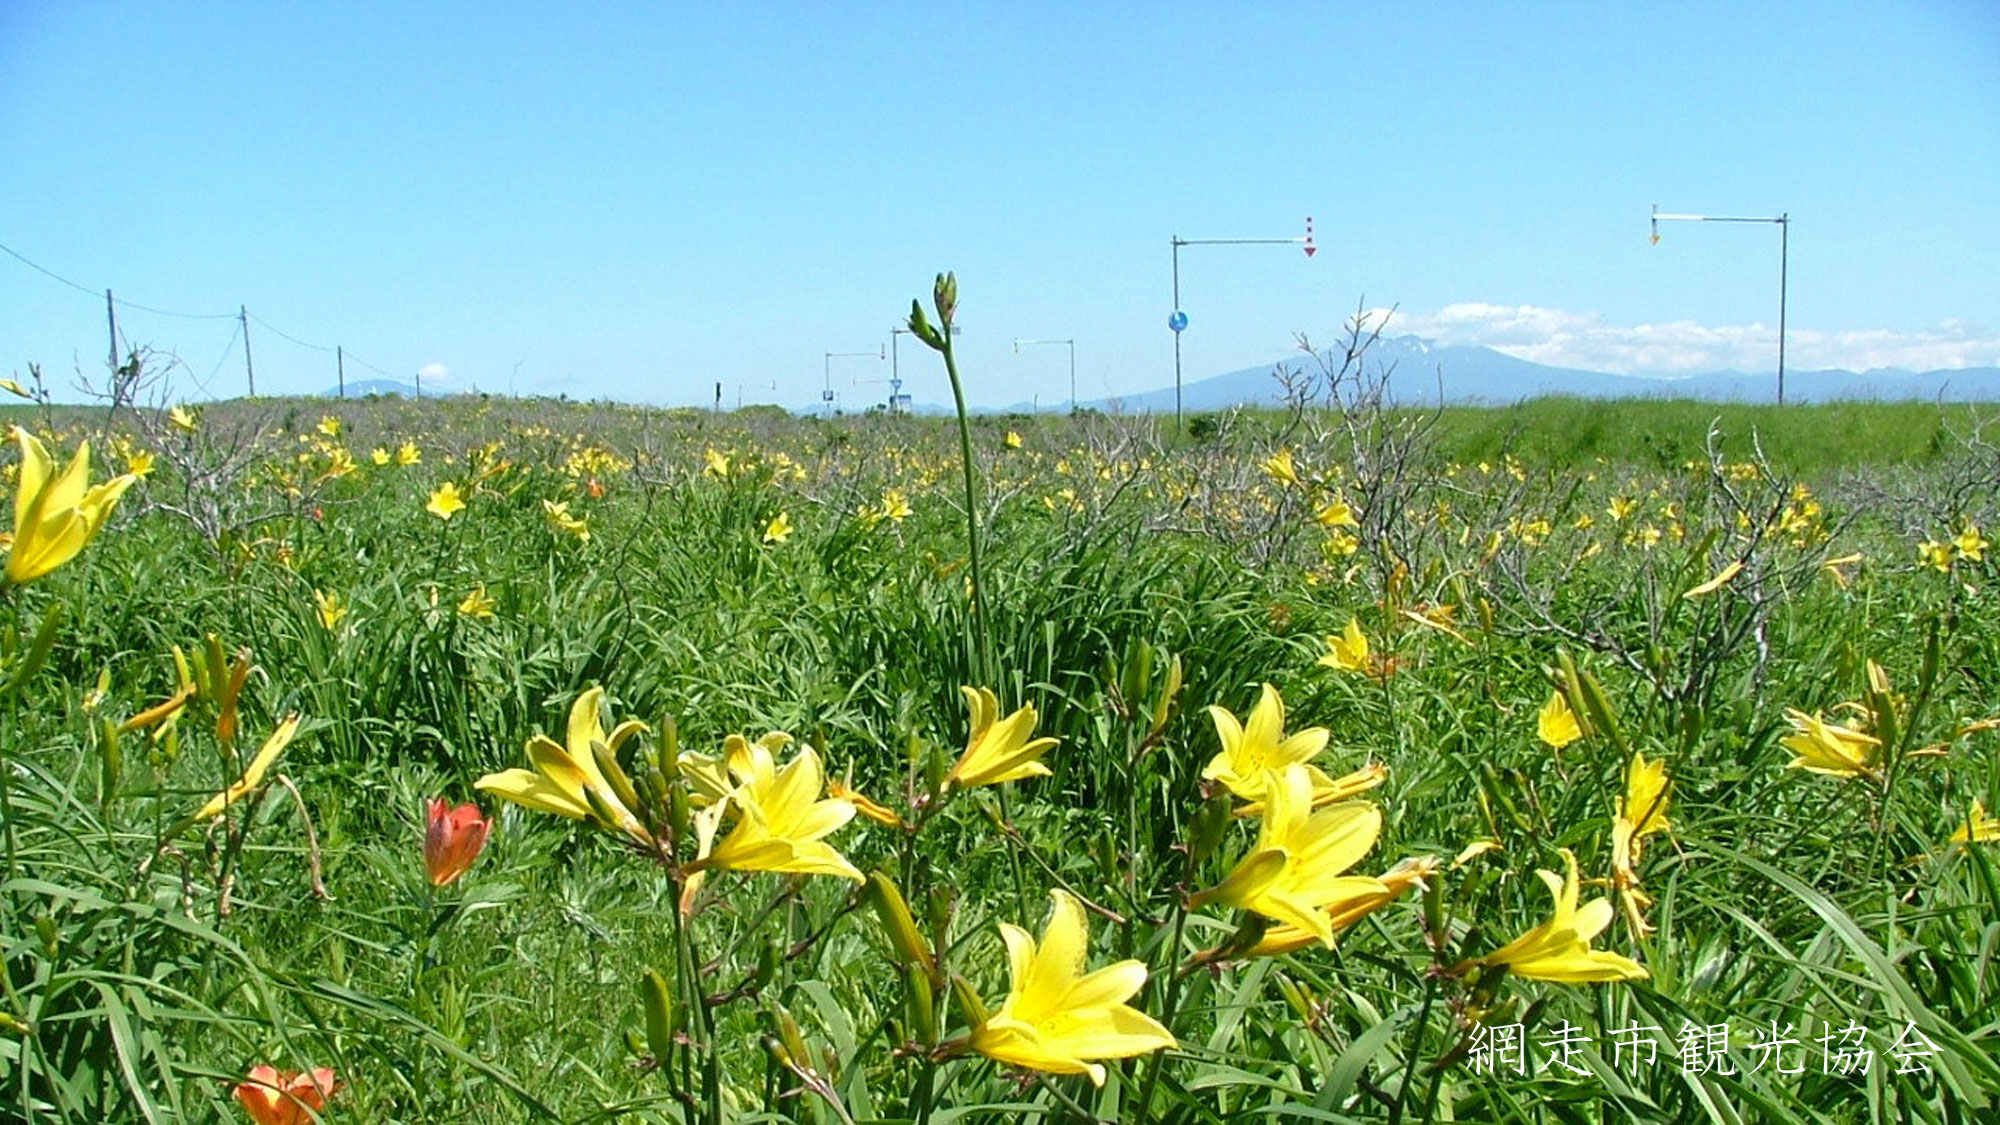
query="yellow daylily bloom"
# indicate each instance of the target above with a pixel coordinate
(709, 776)
(1294, 873)
(841, 789)
(1642, 811)
(1555, 723)
(1977, 827)
(1934, 554)
(1327, 790)
(445, 502)
(1012, 440)
(1349, 651)
(1559, 949)
(408, 454)
(331, 608)
(1836, 568)
(779, 529)
(1720, 580)
(183, 419)
(1253, 752)
(1057, 1018)
(56, 514)
(1336, 514)
(566, 780)
(781, 819)
(478, 604)
(1969, 544)
(998, 750)
(1279, 467)
(253, 776)
(1831, 749)
(557, 512)
(1350, 908)
(378, 456)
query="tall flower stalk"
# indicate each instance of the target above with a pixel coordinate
(944, 297)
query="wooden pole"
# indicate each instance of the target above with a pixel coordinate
(340, 364)
(243, 318)
(111, 315)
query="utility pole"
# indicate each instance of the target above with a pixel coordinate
(340, 365)
(111, 315)
(249, 370)
(1177, 322)
(1784, 223)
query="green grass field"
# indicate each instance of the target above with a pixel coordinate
(1680, 577)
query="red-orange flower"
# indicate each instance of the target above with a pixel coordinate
(454, 839)
(281, 1097)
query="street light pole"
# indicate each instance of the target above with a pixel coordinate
(1178, 320)
(1072, 364)
(1784, 222)
(826, 388)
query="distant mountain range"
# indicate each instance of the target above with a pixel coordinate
(385, 387)
(1420, 371)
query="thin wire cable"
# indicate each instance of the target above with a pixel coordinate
(235, 316)
(352, 358)
(44, 270)
(285, 335)
(134, 305)
(228, 350)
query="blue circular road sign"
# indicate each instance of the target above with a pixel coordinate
(1178, 321)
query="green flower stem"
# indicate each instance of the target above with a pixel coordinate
(984, 664)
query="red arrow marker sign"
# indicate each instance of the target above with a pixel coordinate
(1310, 248)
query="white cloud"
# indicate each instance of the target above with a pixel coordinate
(434, 371)
(1563, 338)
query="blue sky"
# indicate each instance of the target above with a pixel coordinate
(640, 201)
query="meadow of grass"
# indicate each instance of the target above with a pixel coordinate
(1815, 945)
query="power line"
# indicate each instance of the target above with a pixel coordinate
(44, 270)
(285, 335)
(238, 332)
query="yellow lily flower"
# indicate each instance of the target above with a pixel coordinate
(1056, 1018)
(781, 818)
(1555, 723)
(55, 514)
(478, 603)
(445, 502)
(1642, 811)
(1255, 751)
(1349, 651)
(1721, 579)
(1293, 874)
(1337, 513)
(1831, 749)
(1279, 467)
(253, 776)
(1252, 752)
(1977, 827)
(998, 750)
(1559, 949)
(566, 778)
(331, 608)
(779, 529)
(1348, 909)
